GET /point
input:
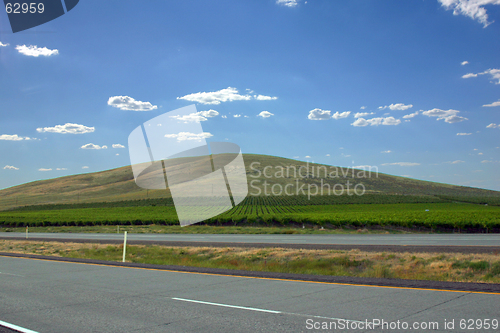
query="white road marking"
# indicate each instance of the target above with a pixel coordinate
(264, 310)
(16, 328)
(11, 274)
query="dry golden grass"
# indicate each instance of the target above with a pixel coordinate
(420, 266)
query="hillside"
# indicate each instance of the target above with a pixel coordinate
(296, 176)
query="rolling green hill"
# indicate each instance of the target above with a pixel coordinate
(266, 175)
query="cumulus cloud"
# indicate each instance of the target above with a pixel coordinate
(93, 146)
(338, 115)
(15, 137)
(67, 128)
(10, 167)
(237, 115)
(216, 97)
(449, 116)
(363, 107)
(411, 115)
(464, 133)
(362, 114)
(402, 164)
(464, 63)
(224, 95)
(265, 114)
(183, 136)
(398, 107)
(264, 98)
(307, 156)
(362, 122)
(3, 45)
(224, 117)
(318, 114)
(127, 103)
(85, 167)
(34, 51)
(492, 125)
(43, 169)
(497, 103)
(287, 3)
(471, 8)
(493, 72)
(197, 116)
(117, 145)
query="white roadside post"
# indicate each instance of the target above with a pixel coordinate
(124, 245)
(26, 232)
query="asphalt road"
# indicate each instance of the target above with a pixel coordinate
(377, 239)
(48, 296)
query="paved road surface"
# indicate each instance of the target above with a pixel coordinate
(392, 239)
(47, 296)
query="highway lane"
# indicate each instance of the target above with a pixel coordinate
(377, 239)
(48, 296)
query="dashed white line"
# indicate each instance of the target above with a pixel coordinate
(16, 328)
(11, 274)
(263, 310)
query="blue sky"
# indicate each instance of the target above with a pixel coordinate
(412, 87)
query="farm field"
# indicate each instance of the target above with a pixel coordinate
(444, 216)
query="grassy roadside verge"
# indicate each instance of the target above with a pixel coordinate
(203, 229)
(422, 266)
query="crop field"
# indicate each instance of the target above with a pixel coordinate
(429, 213)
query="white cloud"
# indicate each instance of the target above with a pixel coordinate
(411, 115)
(449, 116)
(127, 103)
(494, 72)
(400, 107)
(183, 136)
(456, 162)
(15, 137)
(34, 51)
(67, 128)
(93, 146)
(464, 133)
(363, 107)
(361, 122)
(61, 169)
(338, 115)
(362, 114)
(287, 3)
(224, 95)
(318, 114)
(224, 117)
(497, 103)
(464, 63)
(471, 8)
(486, 161)
(10, 167)
(209, 114)
(85, 167)
(308, 156)
(492, 125)
(237, 115)
(402, 164)
(2, 45)
(117, 145)
(386, 152)
(43, 169)
(216, 97)
(328, 155)
(264, 98)
(265, 114)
